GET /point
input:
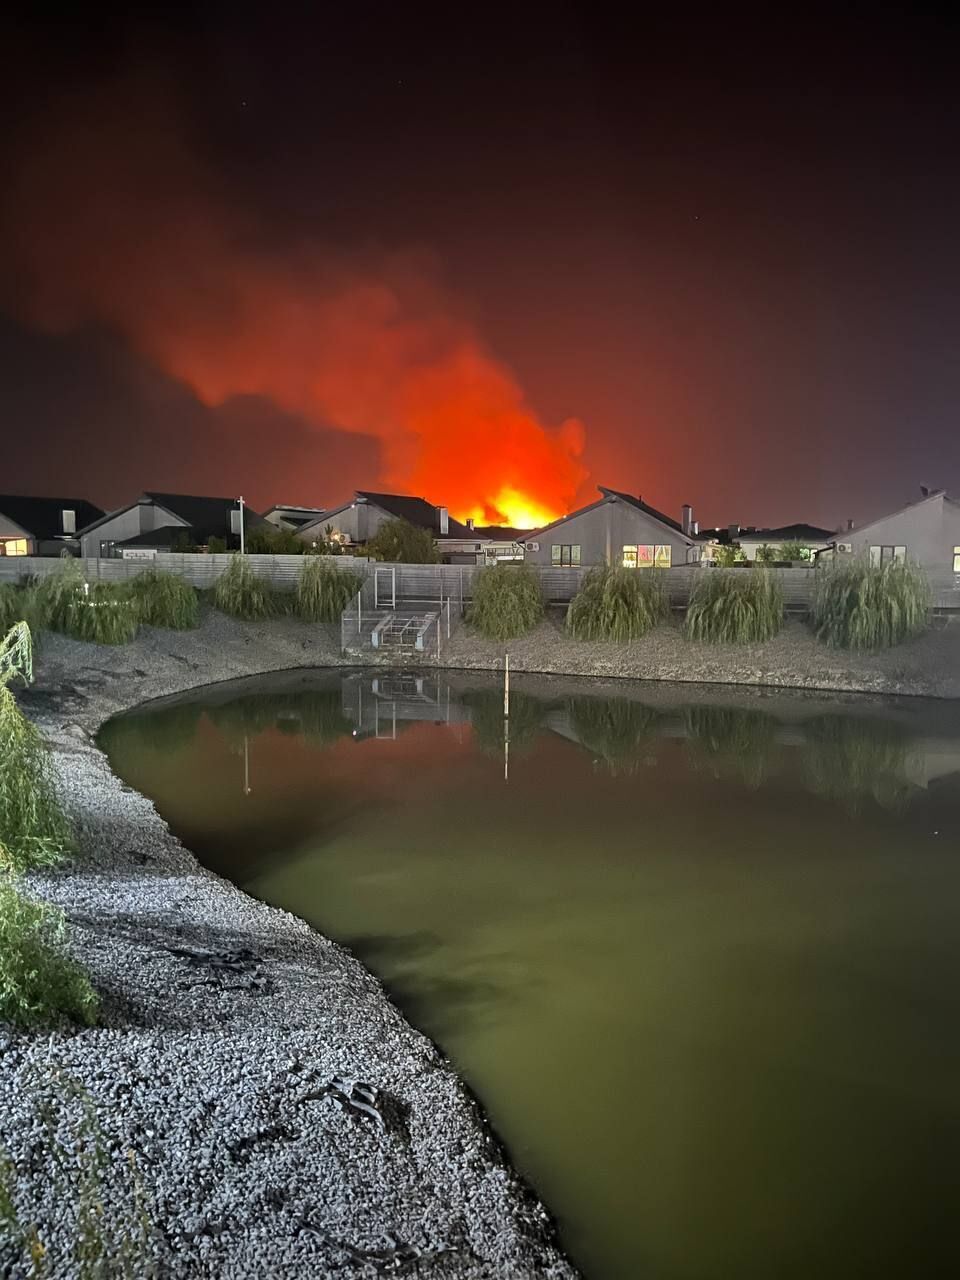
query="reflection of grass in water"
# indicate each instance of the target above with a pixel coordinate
(848, 760)
(737, 743)
(613, 729)
(168, 729)
(486, 716)
(315, 714)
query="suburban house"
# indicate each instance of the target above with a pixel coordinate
(356, 521)
(750, 539)
(43, 526)
(616, 529)
(159, 523)
(926, 532)
(292, 518)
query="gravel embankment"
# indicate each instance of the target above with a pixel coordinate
(232, 1036)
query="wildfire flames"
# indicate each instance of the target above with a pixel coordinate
(126, 231)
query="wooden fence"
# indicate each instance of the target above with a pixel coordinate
(425, 582)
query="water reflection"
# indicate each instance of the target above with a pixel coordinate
(696, 958)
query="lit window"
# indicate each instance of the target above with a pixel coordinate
(13, 547)
(630, 557)
(956, 559)
(663, 557)
(645, 556)
(565, 554)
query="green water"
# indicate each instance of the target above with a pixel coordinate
(698, 954)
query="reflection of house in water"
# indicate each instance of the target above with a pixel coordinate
(380, 705)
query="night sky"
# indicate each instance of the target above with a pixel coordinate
(494, 256)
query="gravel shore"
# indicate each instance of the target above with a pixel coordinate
(236, 1044)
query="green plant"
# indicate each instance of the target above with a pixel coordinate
(104, 1227)
(101, 613)
(184, 544)
(766, 554)
(33, 829)
(507, 601)
(240, 593)
(264, 539)
(859, 605)
(794, 551)
(613, 729)
(400, 542)
(735, 608)
(165, 600)
(323, 591)
(734, 741)
(619, 604)
(37, 979)
(11, 606)
(727, 554)
(216, 546)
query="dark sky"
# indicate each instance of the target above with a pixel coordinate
(728, 245)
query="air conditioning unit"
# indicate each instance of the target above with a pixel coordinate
(845, 546)
(532, 546)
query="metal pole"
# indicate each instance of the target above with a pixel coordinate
(506, 686)
(241, 525)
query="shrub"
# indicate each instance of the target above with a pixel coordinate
(33, 828)
(103, 613)
(240, 593)
(323, 591)
(267, 540)
(37, 979)
(727, 555)
(858, 605)
(507, 601)
(735, 608)
(11, 606)
(165, 600)
(613, 729)
(620, 604)
(766, 554)
(794, 551)
(216, 546)
(400, 542)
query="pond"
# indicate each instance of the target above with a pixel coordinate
(696, 951)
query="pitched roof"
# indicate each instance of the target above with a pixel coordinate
(628, 498)
(165, 536)
(202, 513)
(42, 517)
(790, 533)
(938, 495)
(415, 511)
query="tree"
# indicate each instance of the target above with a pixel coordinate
(794, 551)
(268, 541)
(728, 554)
(400, 542)
(766, 554)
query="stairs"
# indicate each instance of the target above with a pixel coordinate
(404, 633)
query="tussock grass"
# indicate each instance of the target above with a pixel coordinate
(618, 604)
(165, 600)
(741, 607)
(323, 591)
(103, 613)
(33, 828)
(734, 742)
(615, 730)
(858, 605)
(241, 594)
(850, 760)
(507, 601)
(11, 606)
(38, 981)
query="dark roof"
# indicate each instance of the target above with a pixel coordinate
(641, 506)
(203, 513)
(499, 532)
(415, 511)
(165, 536)
(791, 533)
(42, 517)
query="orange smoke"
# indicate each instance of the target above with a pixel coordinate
(124, 229)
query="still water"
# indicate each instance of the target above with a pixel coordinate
(698, 953)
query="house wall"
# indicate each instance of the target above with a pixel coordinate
(929, 531)
(144, 517)
(10, 530)
(750, 546)
(358, 522)
(602, 533)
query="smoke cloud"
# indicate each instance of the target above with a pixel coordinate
(113, 221)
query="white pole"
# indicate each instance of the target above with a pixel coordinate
(241, 524)
(506, 717)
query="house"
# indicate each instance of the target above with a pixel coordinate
(43, 526)
(292, 518)
(616, 529)
(926, 532)
(751, 539)
(158, 523)
(485, 544)
(355, 522)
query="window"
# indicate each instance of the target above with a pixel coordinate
(956, 559)
(646, 556)
(13, 547)
(565, 554)
(69, 520)
(887, 555)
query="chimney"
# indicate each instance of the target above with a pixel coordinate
(686, 518)
(443, 515)
(694, 526)
(849, 526)
(734, 531)
(470, 523)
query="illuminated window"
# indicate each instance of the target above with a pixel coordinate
(565, 554)
(888, 555)
(630, 557)
(646, 556)
(13, 547)
(956, 559)
(663, 557)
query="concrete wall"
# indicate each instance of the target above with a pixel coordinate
(603, 531)
(929, 530)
